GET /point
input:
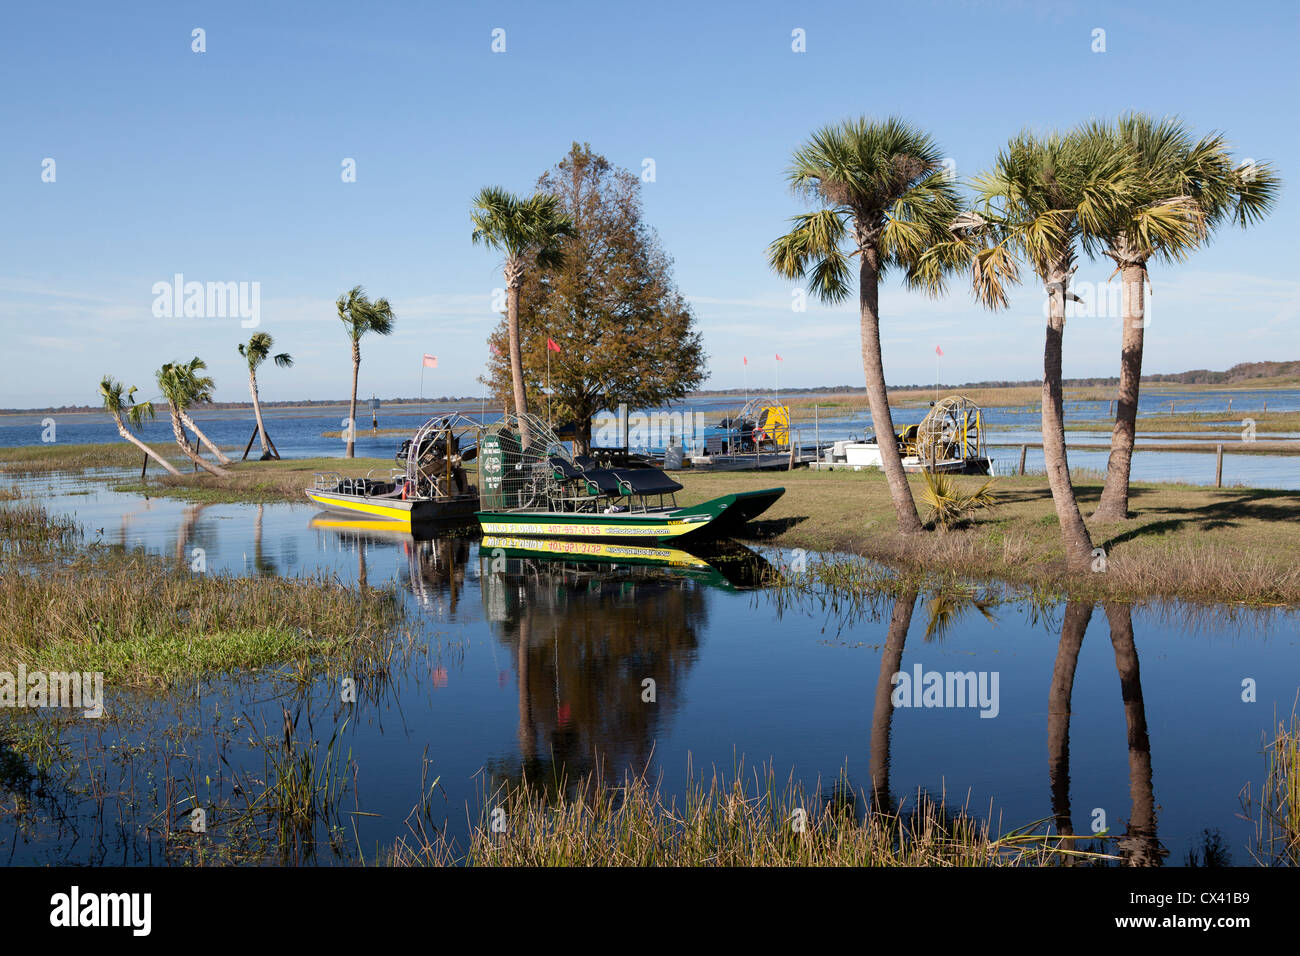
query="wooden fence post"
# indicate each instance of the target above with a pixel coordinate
(1218, 467)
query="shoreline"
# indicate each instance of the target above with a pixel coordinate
(1227, 545)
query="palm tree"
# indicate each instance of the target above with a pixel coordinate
(257, 351)
(525, 230)
(118, 404)
(181, 386)
(1043, 199)
(1182, 191)
(359, 315)
(198, 388)
(886, 198)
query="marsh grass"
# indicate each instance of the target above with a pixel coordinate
(144, 621)
(27, 529)
(53, 457)
(742, 821)
(1276, 812)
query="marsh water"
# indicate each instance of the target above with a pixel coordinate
(1133, 719)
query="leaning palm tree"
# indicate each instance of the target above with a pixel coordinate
(257, 351)
(1182, 190)
(1043, 199)
(526, 230)
(198, 388)
(886, 198)
(181, 386)
(359, 315)
(118, 404)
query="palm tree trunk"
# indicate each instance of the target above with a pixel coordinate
(179, 432)
(257, 410)
(1139, 845)
(873, 367)
(1073, 628)
(516, 355)
(352, 408)
(207, 442)
(153, 455)
(891, 662)
(1078, 544)
(1114, 497)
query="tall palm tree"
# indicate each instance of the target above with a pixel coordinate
(886, 198)
(1043, 199)
(359, 315)
(1182, 190)
(117, 404)
(181, 385)
(255, 352)
(528, 231)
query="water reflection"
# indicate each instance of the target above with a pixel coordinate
(1138, 845)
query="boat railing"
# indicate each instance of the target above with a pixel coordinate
(326, 481)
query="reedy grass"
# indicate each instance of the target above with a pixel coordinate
(144, 621)
(27, 529)
(1277, 811)
(719, 822)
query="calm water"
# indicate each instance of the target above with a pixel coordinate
(299, 433)
(539, 664)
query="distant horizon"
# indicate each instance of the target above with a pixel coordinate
(363, 404)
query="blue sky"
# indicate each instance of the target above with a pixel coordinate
(225, 166)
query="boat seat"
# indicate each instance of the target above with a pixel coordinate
(564, 471)
(603, 481)
(646, 481)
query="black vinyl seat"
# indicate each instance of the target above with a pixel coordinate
(646, 481)
(603, 481)
(563, 470)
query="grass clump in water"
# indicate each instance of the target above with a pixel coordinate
(730, 823)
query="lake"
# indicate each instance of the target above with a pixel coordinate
(1080, 716)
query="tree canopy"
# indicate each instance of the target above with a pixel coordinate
(625, 333)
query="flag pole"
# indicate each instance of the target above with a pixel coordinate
(549, 420)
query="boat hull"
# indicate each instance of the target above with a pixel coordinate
(412, 511)
(718, 516)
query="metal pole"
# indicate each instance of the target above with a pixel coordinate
(817, 432)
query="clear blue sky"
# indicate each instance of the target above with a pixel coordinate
(225, 166)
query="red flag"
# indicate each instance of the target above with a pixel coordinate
(778, 358)
(550, 344)
(745, 359)
(493, 347)
(430, 361)
(938, 351)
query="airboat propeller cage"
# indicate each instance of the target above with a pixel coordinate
(952, 429)
(513, 471)
(435, 454)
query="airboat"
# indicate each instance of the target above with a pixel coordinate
(530, 485)
(429, 484)
(949, 439)
(756, 437)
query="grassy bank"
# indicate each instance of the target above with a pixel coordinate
(1228, 544)
(142, 620)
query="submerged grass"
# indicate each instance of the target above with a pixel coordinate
(142, 620)
(743, 821)
(1277, 811)
(27, 529)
